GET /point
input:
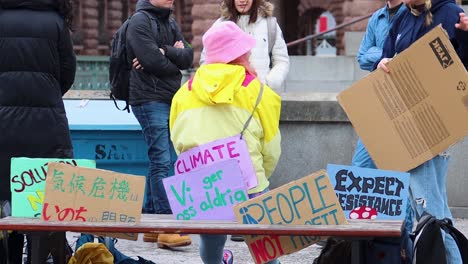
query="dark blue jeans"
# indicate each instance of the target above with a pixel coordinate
(154, 120)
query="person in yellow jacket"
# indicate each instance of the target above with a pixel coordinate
(216, 103)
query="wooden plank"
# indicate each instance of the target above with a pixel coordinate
(166, 224)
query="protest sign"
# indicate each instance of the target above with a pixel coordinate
(418, 110)
(207, 193)
(216, 151)
(92, 195)
(369, 193)
(307, 201)
(27, 183)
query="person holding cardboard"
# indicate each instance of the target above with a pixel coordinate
(225, 99)
(428, 181)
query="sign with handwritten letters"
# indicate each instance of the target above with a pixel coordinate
(216, 151)
(307, 201)
(369, 193)
(207, 193)
(28, 180)
(92, 195)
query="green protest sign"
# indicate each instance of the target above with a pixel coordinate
(28, 179)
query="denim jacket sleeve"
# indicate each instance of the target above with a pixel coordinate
(369, 52)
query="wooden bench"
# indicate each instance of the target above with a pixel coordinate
(356, 230)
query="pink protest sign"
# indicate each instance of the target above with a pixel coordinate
(207, 193)
(216, 151)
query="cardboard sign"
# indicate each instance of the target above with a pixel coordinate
(417, 111)
(208, 193)
(308, 201)
(216, 151)
(368, 193)
(92, 195)
(28, 177)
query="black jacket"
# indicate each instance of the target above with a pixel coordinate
(161, 77)
(37, 66)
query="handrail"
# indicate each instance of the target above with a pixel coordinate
(342, 25)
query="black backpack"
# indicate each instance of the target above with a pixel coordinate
(429, 245)
(120, 67)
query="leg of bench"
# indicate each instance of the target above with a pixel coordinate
(36, 248)
(357, 252)
(5, 245)
(42, 243)
(58, 243)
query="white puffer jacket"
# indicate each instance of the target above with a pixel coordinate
(259, 57)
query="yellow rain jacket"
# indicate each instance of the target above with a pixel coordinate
(216, 104)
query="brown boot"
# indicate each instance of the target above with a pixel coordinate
(173, 240)
(150, 237)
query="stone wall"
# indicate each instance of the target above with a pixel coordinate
(204, 13)
(114, 16)
(197, 16)
(90, 27)
(297, 18)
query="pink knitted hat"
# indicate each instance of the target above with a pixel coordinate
(225, 42)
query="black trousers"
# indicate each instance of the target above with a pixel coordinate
(15, 249)
(41, 244)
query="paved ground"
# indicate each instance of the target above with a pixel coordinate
(241, 253)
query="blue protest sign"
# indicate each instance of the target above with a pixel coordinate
(369, 193)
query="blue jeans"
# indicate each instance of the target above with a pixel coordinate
(361, 157)
(212, 246)
(429, 194)
(154, 120)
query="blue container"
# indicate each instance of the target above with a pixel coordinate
(113, 138)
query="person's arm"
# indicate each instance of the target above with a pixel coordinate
(280, 61)
(269, 113)
(463, 23)
(368, 52)
(461, 36)
(143, 43)
(67, 60)
(388, 49)
(182, 57)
